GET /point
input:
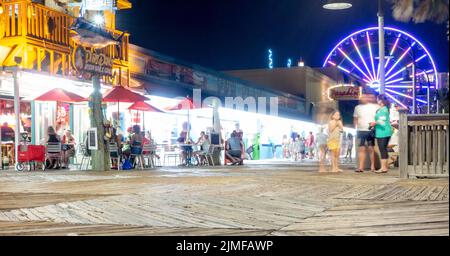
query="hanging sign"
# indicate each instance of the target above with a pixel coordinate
(100, 5)
(90, 62)
(344, 92)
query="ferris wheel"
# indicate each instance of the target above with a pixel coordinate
(357, 55)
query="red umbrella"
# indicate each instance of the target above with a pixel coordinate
(142, 106)
(58, 94)
(188, 104)
(185, 103)
(120, 94)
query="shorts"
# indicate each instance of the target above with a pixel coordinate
(365, 136)
(333, 144)
(235, 153)
(136, 150)
(186, 148)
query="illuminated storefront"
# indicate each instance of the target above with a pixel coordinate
(39, 39)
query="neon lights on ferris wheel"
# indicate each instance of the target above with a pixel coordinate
(370, 51)
(399, 59)
(392, 51)
(360, 56)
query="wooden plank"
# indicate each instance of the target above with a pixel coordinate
(428, 151)
(435, 147)
(403, 145)
(447, 150)
(418, 140)
(8, 9)
(13, 20)
(441, 143)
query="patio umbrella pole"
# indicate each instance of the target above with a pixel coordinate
(118, 114)
(188, 128)
(143, 121)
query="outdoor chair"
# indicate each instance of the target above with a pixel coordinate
(148, 153)
(114, 154)
(170, 153)
(137, 157)
(208, 157)
(85, 156)
(54, 151)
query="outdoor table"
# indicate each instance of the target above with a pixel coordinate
(188, 153)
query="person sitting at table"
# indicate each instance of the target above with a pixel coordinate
(52, 137)
(234, 149)
(204, 149)
(116, 138)
(201, 138)
(68, 147)
(136, 141)
(185, 149)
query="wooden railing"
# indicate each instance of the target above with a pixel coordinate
(47, 24)
(22, 18)
(424, 145)
(35, 21)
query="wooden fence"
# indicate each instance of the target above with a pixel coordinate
(423, 142)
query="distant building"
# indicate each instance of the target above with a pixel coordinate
(312, 84)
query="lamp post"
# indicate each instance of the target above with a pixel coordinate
(15, 73)
(345, 4)
(381, 52)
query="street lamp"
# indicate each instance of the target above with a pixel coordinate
(342, 4)
(337, 5)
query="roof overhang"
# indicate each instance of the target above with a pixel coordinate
(124, 4)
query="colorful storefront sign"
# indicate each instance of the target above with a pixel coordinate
(85, 61)
(344, 92)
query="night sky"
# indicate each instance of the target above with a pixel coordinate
(235, 34)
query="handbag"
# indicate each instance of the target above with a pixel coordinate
(372, 131)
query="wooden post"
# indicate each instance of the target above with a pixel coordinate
(100, 157)
(403, 145)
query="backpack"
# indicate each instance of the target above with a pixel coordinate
(127, 165)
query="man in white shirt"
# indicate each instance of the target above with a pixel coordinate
(364, 115)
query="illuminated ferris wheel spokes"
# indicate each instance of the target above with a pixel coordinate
(354, 55)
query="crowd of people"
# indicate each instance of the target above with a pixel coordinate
(299, 147)
(373, 123)
(374, 120)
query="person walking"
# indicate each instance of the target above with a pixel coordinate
(285, 144)
(310, 145)
(363, 116)
(383, 131)
(349, 149)
(335, 127)
(321, 141)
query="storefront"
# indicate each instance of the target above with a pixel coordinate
(37, 116)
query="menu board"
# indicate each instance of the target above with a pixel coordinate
(92, 139)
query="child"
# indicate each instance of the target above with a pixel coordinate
(335, 128)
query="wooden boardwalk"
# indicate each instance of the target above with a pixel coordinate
(276, 199)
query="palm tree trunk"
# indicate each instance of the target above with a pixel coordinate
(100, 157)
